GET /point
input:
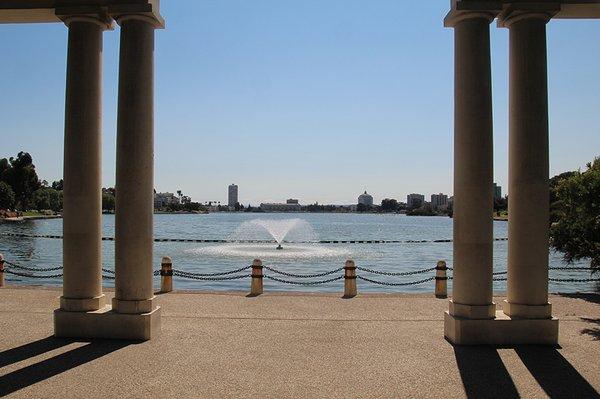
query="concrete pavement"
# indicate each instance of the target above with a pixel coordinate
(292, 345)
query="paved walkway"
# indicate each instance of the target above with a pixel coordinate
(228, 345)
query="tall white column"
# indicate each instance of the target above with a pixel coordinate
(135, 167)
(528, 226)
(82, 209)
(473, 169)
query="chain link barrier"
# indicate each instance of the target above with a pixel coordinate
(241, 269)
(574, 280)
(303, 282)
(233, 275)
(364, 269)
(31, 275)
(303, 275)
(32, 269)
(395, 284)
(180, 273)
(28, 275)
(573, 268)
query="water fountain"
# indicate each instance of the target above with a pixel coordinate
(278, 229)
(294, 239)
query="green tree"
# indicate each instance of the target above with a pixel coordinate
(4, 165)
(20, 174)
(575, 229)
(47, 198)
(7, 196)
(425, 210)
(58, 185)
(108, 201)
(389, 205)
(500, 204)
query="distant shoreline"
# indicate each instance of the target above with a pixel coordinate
(42, 217)
(25, 218)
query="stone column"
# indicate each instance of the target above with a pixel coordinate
(528, 176)
(473, 169)
(82, 209)
(135, 167)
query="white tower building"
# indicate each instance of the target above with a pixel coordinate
(232, 198)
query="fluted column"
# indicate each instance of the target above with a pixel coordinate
(473, 168)
(135, 167)
(82, 201)
(528, 226)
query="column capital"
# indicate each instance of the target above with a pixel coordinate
(91, 14)
(516, 12)
(148, 12)
(461, 10)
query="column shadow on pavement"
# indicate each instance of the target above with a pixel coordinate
(31, 349)
(483, 373)
(557, 377)
(588, 297)
(593, 332)
(32, 374)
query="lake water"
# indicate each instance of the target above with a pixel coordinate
(295, 258)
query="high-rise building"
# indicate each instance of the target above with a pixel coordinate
(439, 201)
(365, 199)
(497, 191)
(415, 201)
(232, 198)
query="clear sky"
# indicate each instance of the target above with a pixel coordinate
(316, 100)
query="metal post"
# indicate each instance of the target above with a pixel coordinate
(166, 274)
(350, 279)
(441, 280)
(256, 286)
(1, 270)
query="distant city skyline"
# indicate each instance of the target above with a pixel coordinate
(365, 198)
(312, 100)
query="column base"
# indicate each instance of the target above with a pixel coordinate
(516, 310)
(108, 324)
(82, 304)
(501, 331)
(133, 307)
(472, 311)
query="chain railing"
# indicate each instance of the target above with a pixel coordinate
(193, 276)
(395, 284)
(200, 275)
(293, 275)
(382, 273)
(33, 269)
(304, 282)
(348, 273)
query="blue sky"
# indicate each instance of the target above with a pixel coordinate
(317, 100)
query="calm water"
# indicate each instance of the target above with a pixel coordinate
(296, 258)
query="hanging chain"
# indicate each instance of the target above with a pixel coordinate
(303, 275)
(303, 282)
(395, 284)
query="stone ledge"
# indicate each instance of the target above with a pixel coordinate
(107, 324)
(501, 331)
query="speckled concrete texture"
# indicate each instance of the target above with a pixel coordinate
(292, 345)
